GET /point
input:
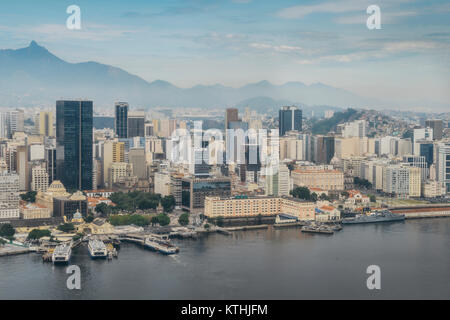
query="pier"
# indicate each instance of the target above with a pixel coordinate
(154, 242)
(423, 211)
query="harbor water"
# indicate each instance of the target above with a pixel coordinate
(284, 263)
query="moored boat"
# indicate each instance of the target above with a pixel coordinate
(62, 254)
(97, 249)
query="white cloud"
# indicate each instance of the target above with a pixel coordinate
(336, 7)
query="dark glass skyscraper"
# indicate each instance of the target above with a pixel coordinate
(427, 151)
(323, 149)
(437, 125)
(290, 119)
(136, 124)
(74, 143)
(121, 120)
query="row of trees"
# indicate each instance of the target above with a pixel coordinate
(362, 183)
(36, 234)
(135, 200)
(7, 231)
(305, 194)
(139, 220)
(127, 219)
(162, 219)
(132, 201)
(30, 196)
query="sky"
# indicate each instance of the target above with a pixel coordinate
(235, 42)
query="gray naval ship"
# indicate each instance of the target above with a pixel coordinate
(377, 216)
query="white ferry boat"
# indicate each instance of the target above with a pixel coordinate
(164, 247)
(97, 249)
(62, 253)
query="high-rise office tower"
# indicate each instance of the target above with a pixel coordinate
(17, 121)
(167, 127)
(39, 177)
(437, 125)
(74, 143)
(121, 120)
(290, 119)
(323, 147)
(11, 122)
(136, 124)
(9, 196)
(231, 115)
(136, 157)
(22, 167)
(425, 134)
(43, 123)
(443, 165)
(426, 149)
(50, 160)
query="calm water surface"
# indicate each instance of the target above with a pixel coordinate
(414, 257)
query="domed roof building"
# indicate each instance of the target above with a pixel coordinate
(336, 162)
(56, 189)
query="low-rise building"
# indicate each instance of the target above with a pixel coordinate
(327, 213)
(243, 206)
(34, 211)
(325, 179)
(433, 189)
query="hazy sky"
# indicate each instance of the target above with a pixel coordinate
(234, 42)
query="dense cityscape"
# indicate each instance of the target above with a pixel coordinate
(228, 150)
(68, 173)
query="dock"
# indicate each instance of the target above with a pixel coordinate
(317, 229)
(12, 251)
(289, 224)
(244, 228)
(155, 242)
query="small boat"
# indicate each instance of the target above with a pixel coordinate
(97, 249)
(62, 254)
(162, 246)
(317, 229)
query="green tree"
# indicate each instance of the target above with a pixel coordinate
(362, 183)
(154, 221)
(163, 219)
(207, 226)
(2, 242)
(66, 227)
(37, 234)
(127, 219)
(301, 193)
(323, 196)
(184, 219)
(7, 231)
(373, 198)
(103, 209)
(313, 197)
(30, 196)
(144, 204)
(89, 218)
(168, 203)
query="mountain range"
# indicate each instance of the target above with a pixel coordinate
(33, 76)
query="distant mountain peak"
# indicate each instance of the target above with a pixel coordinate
(33, 44)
